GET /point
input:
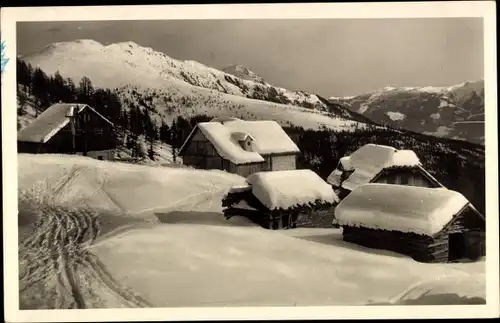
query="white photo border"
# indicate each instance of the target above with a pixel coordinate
(9, 19)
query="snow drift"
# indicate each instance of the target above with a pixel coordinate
(241, 265)
(115, 187)
(447, 290)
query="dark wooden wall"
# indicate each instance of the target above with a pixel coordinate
(467, 229)
(410, 244)
(201, 153)
(92, 134)
(405, 176)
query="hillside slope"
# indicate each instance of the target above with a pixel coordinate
(163, 153)
(174, 87)
(455, 112)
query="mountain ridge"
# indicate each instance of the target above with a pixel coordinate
(127, 66)
(452, 112)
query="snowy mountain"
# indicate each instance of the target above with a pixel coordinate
(243, 73)
(452, 112)
(173, 87)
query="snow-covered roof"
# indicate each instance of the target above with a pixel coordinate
(240, 188)
(289, 188)
(346, 163)
(47, 124)
(241, 136)
(402, 208)
(368, 161)
(226, 145)
(267, 138)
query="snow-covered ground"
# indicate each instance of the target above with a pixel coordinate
(207, 262)
(193, 256)
(460, 289)
(113, 186)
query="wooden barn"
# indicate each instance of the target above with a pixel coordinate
(380, 164)
(69, 129)
(240, 147)
(428, 224)
(274, 200)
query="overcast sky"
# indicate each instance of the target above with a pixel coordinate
(332, 57)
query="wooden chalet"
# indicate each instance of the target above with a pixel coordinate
(429, 225)
(275, 201)
(69, 128)
(380, 164)
(240, 147)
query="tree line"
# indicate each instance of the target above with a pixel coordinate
(457, 165)
(44, 90)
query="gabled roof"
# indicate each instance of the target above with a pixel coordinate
(369, 160)
(402, 208)
(51, 121)
(290, 188)
(267, 138)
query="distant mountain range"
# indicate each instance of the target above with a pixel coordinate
(453, 112)
(171, 87)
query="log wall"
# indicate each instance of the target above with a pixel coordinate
(413, 245)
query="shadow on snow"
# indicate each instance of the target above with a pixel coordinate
(205, 218)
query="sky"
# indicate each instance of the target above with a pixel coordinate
(331, 57)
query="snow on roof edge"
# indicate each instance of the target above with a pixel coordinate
(403, 208)
(54, 131)
(279, 189)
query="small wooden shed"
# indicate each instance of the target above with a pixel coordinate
(379, 164)
(428, 224)
(280, 199)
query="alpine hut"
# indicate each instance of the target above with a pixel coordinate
(280, 199)
(380, 164)
(430, 225)
(66, 128)
(239, 146)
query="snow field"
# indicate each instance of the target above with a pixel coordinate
(193, 256)
(196, 264)
(114, 187)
